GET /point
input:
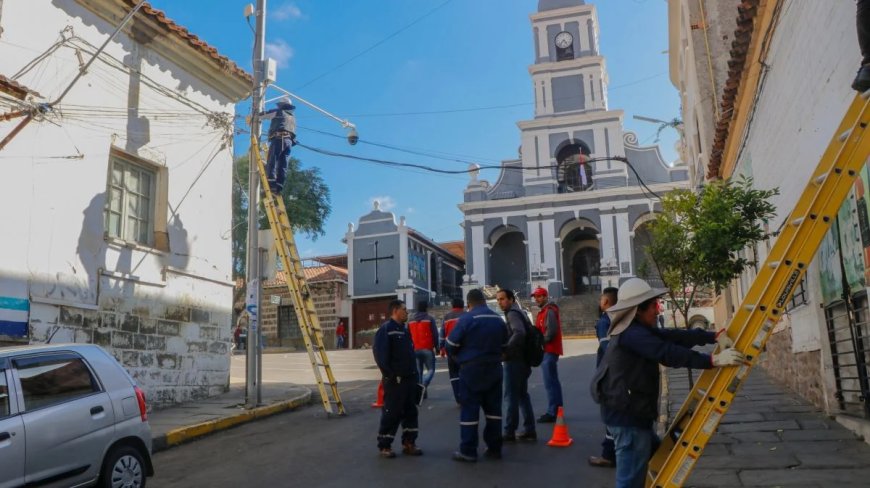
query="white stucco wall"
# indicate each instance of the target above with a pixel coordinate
(53, 193)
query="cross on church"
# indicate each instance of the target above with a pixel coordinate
(376, 259)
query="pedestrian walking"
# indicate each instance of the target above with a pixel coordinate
(424, 333)
(550, 324)
(608, 299)
(340, 335)
(477, 343)
(516, 371)
(282, 137)
(450, 319)
(394, 355)
(626, 384)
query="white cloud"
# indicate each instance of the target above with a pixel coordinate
(286, 11)
(410, 210)
(280, 51)
(386, 202)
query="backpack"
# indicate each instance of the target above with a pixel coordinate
(533, 348)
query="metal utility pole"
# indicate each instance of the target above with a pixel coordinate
(253, 387)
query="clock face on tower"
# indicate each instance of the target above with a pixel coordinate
(564, 39)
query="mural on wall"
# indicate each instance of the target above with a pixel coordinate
(846, 242)
(417, 265)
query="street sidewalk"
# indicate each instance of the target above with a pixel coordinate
(183, 423)
(771, 437)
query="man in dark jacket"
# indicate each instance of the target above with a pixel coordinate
(424, 333)
(450, 319)
(516, 371)
(394, 355)
(627, 381)
(477, 343)
(862, 79)
(282, 137)
(608, 299)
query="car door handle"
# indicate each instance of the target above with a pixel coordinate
(96, 410)
(5, 436)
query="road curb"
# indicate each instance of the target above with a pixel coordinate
(189, 433)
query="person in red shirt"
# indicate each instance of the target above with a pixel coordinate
(550, 325)
(341, 335)
(450, 319)
(424, 334)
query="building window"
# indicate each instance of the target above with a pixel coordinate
(574, 171)
(130, 202)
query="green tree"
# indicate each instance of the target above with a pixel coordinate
(305, 195)
(697, 239)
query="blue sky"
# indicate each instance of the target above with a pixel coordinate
(465, 56)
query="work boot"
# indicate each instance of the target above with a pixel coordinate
(463, 458)
(490, 454)
(862, 79)
(528, 436)
(411, 449)
(546, 419)
(601, 462)
(387, 453)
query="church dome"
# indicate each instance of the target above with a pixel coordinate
(544, 5)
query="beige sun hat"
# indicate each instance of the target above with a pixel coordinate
(631, 294)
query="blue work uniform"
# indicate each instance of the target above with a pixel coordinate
(394, 355)
(282, 137)
(476, 343)
(608, 449)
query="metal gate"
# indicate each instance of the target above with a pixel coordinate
(849, 337)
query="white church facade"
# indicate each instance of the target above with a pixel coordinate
(562, 215)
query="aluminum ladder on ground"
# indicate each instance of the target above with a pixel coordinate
(765, 302)
(303, 304)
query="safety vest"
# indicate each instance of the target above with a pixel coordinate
(554, 346)
(421, 334)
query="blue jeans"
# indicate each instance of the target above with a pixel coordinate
(276, 166)
(634, 447)
(550, 369)
(425, 359)
(516, 397)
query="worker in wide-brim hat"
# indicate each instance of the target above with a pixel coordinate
(626, 383)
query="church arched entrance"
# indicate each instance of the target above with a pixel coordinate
(582, 261)
(586, 271)
(507, 261)
(643, 264)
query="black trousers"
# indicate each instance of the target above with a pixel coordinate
(863, 21)
(399, 408)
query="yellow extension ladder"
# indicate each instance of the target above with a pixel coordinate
(303, 304)
(765, 302)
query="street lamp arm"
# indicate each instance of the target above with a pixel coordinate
(344, 122)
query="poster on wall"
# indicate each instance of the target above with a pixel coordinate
(850, 233)
(417, 269)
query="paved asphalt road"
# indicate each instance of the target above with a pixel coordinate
(305, 448)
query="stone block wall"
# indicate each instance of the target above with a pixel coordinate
(799, 371)
(326, 296)
(175, 353)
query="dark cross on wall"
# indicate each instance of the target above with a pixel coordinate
(376, 259)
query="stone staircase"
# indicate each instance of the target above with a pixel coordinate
(579, 313)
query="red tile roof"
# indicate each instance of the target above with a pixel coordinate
(181, 32)
(14, 88)
(456, 248)
(313, 274)
(746, 13)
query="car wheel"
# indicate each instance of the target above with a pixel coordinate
(123, 468)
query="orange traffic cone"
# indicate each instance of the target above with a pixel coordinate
(560, 432)
(380, 401)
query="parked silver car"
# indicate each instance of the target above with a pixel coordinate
(70, 415)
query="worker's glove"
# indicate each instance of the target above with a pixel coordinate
(727, 357)
(723, 340)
